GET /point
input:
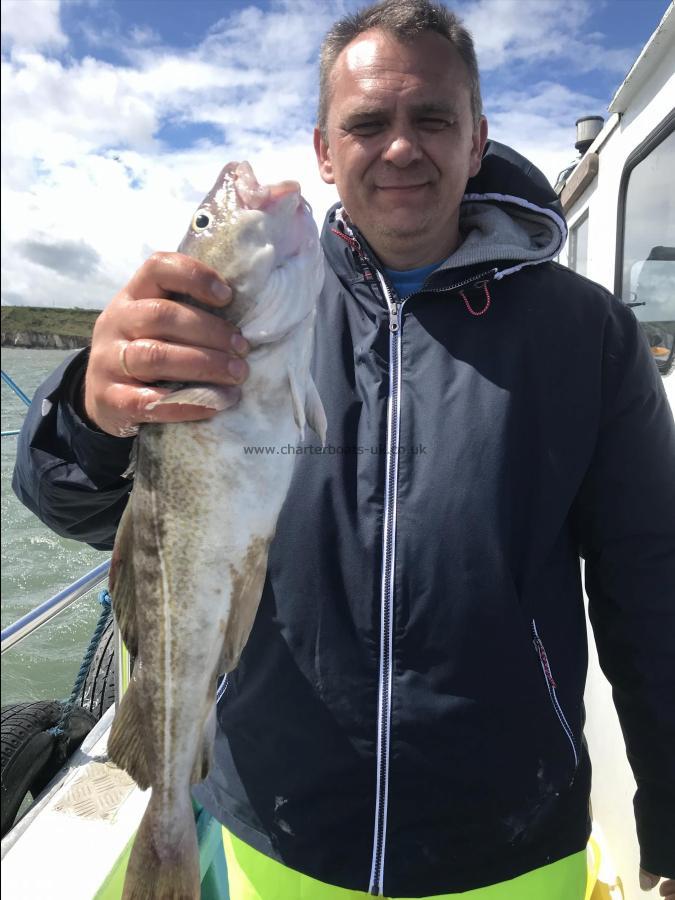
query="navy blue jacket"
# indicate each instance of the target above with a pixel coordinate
(407, 715)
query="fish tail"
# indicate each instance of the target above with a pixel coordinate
(159, 870)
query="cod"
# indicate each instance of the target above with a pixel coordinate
(190, 555)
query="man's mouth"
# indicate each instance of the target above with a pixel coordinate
(401, 187)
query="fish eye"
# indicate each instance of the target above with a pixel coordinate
(201, 220)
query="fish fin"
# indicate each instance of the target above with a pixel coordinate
(204, 758)
(121, 581)
(157, 871)
(298, 401)
(248, 581)
(130, 470)
(125, 744)
(206, 395)
(316, 414)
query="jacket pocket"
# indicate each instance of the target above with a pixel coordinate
(552, 690)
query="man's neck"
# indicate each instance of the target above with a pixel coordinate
(411, 252)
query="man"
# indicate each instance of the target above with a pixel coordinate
(407, 716)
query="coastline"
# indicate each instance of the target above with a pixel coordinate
(47, 328)
(36, 340)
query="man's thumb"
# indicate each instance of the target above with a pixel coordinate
(647, 880)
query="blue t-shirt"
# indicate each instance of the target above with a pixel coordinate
(411, 280)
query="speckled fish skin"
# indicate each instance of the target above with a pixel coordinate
(190, 556)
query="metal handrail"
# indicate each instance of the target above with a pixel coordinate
(50, 608)
(9, 381)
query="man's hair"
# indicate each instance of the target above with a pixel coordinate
(404, 20)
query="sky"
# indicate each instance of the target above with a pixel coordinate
(117, 115)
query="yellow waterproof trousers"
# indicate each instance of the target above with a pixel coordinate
(254, 876)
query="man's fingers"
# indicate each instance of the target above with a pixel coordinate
(648, 881)
(150, 361)
(167, 273)
(166, 320)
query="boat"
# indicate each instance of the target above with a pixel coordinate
(621, 218)
(74, 840)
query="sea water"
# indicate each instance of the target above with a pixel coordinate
(37, 563)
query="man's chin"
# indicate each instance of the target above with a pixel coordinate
(404, 230)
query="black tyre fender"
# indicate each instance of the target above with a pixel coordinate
(31, 756)
(98, 690)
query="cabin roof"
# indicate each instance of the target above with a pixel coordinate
(652, 53)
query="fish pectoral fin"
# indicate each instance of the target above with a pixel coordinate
(298, 400)
(248, 581)
(316, 414)
(205, 395)
(121, 581)
(204, 756)
(126, 746)
(307, 406)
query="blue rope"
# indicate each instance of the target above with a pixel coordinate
(14, 386)
(68, 706)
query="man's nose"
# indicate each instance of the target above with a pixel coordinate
(403, 148)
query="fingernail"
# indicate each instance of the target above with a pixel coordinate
(221, 290)
(237, 368)
(239, 344)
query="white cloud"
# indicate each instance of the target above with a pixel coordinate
(87, 174)
(32, 23)
(83, 160)
(539, 122)
(513, 32)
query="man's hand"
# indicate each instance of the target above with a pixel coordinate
(649, 881)
(143, 337)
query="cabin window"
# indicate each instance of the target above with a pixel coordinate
(578, 256)
(647, 269)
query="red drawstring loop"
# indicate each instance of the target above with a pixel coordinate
(488, 301)
(353, 243)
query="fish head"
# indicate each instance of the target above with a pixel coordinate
(250, 233)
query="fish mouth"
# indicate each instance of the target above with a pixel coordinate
(253, 195)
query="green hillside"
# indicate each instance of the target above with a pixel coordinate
(49, 320)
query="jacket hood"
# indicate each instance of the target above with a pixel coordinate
(510, 214)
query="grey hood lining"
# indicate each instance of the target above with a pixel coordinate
(504, 227)
(500, 227)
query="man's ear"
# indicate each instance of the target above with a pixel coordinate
(479, 139)
(323, 158)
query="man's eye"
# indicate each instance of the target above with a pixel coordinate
(429, 124)
(363, 129)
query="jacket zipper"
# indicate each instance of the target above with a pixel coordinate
(387, 590)
(223, 685)
(551, 685)
(388, 564)
(389, 548)
(473, 281)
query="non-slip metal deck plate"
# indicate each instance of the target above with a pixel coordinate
(97, 793)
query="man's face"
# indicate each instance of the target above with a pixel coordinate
(401, 143)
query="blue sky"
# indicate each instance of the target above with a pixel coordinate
(118, 114)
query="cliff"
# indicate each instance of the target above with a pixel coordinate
(40, 339)
(48, 327)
